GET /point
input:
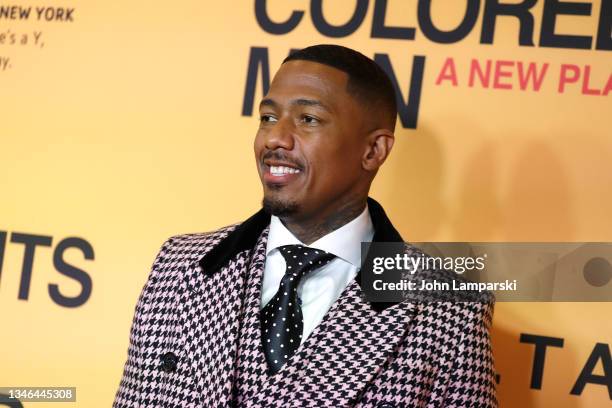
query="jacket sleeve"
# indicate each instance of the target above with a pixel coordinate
(472, 376)
(132, 380)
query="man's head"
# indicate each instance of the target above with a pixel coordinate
(326, 127)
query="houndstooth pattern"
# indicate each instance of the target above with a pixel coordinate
(408, 355)
(251, 364)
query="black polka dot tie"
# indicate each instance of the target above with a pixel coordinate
(281, 319)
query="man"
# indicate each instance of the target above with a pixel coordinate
(270, 312)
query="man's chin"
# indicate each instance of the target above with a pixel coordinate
(279, 207)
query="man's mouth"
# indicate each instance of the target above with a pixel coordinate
(279, 171)
(280, 174)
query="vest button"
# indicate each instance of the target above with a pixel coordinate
(169, 362)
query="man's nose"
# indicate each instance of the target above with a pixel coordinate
(281, 135)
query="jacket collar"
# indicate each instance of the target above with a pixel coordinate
(244, 237)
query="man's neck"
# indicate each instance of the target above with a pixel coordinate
(310, 230)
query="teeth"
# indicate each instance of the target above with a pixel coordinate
(281, 170)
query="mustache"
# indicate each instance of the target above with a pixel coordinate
(277, 155)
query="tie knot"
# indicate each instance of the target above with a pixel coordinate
(301, 260)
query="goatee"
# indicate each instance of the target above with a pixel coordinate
(279, 208)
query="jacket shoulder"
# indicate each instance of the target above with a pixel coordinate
(182, 248)
(199, 239)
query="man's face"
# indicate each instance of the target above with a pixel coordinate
(310, 143)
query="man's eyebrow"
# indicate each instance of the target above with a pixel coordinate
(301, 102)
(310, 102)
(268, 102)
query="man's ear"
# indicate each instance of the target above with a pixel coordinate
(378, 146)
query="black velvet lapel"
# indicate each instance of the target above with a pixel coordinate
(242, 238)
(245, 236)
(384, 231)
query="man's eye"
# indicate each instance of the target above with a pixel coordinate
(309, 119)
(267, 118)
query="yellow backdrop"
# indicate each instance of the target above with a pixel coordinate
(121, 123)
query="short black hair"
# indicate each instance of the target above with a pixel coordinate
(366, 80)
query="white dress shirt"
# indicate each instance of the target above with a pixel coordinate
(320, 288)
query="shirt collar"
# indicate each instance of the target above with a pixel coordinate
(344, 242)
(245, 236)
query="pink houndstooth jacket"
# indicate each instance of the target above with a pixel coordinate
(195, 340)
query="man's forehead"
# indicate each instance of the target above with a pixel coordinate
(309, 74)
